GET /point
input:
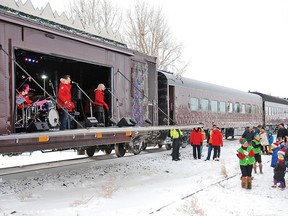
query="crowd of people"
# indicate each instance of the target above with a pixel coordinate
(253, 143)
(256, 142)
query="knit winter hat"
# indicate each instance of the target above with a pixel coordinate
(281, 152)
(275, 145)
(242, 140)
(280, 158)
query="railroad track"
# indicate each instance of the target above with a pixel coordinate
(67, 162)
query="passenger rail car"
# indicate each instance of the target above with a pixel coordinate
(275, 110)
(191, 101)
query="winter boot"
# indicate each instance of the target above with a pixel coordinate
(260, 168)
(282, 185)
(249, 182)
(244, 182)
(255, 168)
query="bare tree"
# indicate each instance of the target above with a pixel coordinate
(147, 31)
(101, 14)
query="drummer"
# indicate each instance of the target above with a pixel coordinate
(24, 94)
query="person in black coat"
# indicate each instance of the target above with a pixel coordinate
(282, 132)
(248, 134)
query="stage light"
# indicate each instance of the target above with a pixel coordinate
(32, 60)
(44, 77)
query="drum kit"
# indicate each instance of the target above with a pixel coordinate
(41, 110)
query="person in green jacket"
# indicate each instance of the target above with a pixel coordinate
(257, 145)
(246, 158)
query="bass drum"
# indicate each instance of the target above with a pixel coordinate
(53, 117)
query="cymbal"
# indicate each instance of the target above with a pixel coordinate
(37, 97)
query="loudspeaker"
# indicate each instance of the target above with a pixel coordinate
(91, 122)
(126, 122)
(38, 127)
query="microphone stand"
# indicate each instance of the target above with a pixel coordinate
(117, 103)
(91, 114)
(52, 86)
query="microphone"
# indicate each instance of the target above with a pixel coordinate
(29, 78)
(74, 82)
(30, 89)
(50, 82)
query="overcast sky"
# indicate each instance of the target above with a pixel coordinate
(240, 44)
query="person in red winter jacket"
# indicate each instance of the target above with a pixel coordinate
(217, 142)
(100, 104)
(196, 140)
(65, 102)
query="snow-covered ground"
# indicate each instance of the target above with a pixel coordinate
(145, 184)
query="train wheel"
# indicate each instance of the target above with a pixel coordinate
(120, 149)
(168, 146)
(137, 146)
(90, 151)
(108, 151)
(159, 145)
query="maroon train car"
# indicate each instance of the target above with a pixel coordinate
(191, 101)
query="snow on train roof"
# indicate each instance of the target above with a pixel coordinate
(45, 16)
(177, 80)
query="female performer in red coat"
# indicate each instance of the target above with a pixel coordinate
(100, 104)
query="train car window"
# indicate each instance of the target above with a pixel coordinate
(243, 108)
(230, 107)
(237, 107)
(204, 105)
(222, 107)
(194, 104)
(253, 109)
(248, 108)
(214, 106)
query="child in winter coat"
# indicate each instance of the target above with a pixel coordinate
(256, 143)
(246, 158)
(270, 140)
(264, 140)
(274, 157)
(279, 172)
